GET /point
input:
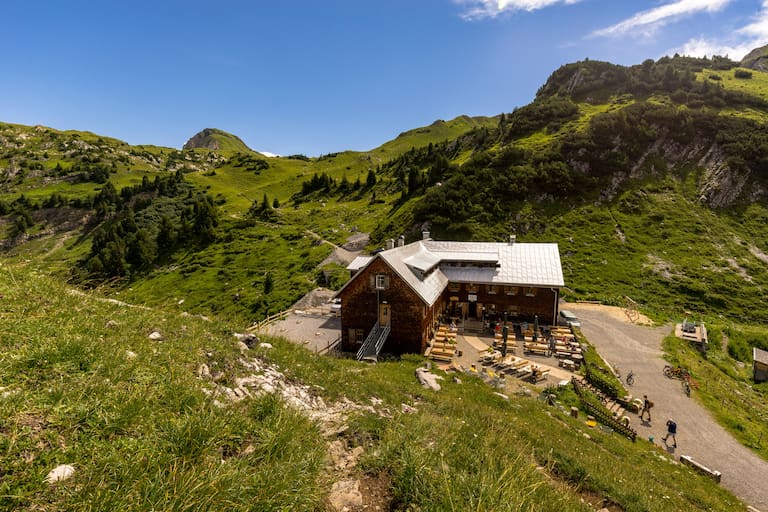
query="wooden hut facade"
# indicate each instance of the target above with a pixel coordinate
(401, 293)
(759, 365)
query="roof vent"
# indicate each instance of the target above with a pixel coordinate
(512, 239)
(401, 241)
(391, 243)
(425, 235)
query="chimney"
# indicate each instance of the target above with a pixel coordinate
(391, 243)
(401, 241)
(425, 235)
(512, 239)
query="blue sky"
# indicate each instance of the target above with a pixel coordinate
(319, 76)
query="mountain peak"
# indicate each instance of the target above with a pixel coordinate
(756, 59)
(213, 138)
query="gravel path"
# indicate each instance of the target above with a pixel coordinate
(638, 348)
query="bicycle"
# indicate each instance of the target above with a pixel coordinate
(677, 372)
(630, 378)
(686, 388)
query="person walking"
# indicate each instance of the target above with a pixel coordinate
(671, 431)
(647, 405)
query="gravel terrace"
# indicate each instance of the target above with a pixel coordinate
(638, 348)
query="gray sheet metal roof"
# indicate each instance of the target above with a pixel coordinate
(518, 264)
(759, 356)
(359, 262)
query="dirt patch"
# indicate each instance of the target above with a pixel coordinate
(615, 312)
(376, 491)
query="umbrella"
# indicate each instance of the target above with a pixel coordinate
(504, 333)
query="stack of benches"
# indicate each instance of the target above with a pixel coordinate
(443, 346)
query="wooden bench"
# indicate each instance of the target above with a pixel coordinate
(538, 375)
(536, 348)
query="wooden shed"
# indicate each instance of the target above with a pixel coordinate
(759, 365)
(395, 298)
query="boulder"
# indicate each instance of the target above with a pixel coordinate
(428, 379)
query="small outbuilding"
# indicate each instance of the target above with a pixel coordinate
(759, 365)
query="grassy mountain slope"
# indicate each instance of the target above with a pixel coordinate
(148, 424)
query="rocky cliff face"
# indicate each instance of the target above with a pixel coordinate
(212, 138)
(204, 139)
(756, 59)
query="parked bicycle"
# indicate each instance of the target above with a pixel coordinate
(676, 372)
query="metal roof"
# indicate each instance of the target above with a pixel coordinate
(759, 356)
(520, 264)
(514, 264)
(359, 262)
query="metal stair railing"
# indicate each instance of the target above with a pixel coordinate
(373, 343)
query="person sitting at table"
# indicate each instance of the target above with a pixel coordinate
(453, 325)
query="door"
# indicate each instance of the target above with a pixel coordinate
(384, 317)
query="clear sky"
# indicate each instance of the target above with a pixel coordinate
(319, 76)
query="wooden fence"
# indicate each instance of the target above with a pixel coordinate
(269, 320)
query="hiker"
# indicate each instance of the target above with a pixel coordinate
(647, 405)
(671, 431)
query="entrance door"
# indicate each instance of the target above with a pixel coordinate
(384, 318)
(472, 310)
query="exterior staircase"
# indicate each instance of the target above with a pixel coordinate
(615, 407)
(373, 343)
(609, 414)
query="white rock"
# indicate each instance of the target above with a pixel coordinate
(407, 409)
(265, 345)
(130, 354)
(345, 495)
(155, 336)
(60, 473)
(242, 346)
(428, 379)
(203, 371)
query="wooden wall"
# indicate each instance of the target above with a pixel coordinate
(517, 301)
(410, 319)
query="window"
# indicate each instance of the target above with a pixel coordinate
(530, 292)
(472, 287)
(510, 290)
(492, 289)
(381, 281)
(454, 287)
(359, 333)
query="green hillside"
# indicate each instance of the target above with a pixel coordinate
(653, 180)
(153, 421)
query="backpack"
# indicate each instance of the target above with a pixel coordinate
(650, 404)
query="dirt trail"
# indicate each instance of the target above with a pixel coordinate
(638, 348)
